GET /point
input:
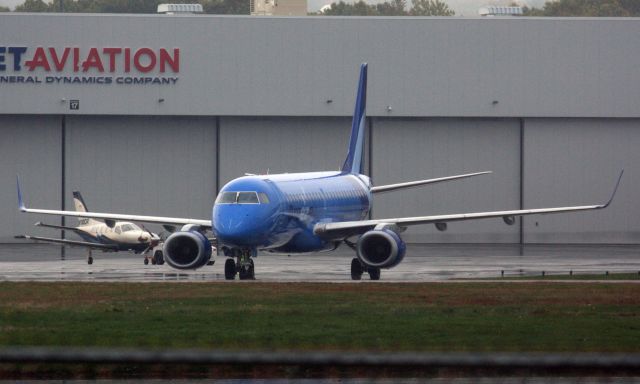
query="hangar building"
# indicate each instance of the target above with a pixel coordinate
(152, 114)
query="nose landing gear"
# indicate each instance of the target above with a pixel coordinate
(244, 267)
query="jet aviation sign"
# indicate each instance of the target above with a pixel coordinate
(102, 66)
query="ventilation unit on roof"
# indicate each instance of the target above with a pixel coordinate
(173, 9)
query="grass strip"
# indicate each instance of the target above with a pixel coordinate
(470, 316)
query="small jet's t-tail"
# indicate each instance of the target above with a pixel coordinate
(81, 206)
(355, 158)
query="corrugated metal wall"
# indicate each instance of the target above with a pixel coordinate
(281, 145)
(164, 166)
(30, 146)
(275, 66)
(413, 149)
(168, 166)
(577, 161)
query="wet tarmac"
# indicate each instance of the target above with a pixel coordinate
(423, 263)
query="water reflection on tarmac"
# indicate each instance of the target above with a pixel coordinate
(21, 262)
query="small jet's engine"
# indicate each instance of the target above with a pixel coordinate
(187, 249)
(380, 248)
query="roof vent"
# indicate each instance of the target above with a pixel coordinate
(179, 9)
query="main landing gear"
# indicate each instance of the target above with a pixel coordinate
(156, 259)
(90, 258)
(244, 266)
(357, 269)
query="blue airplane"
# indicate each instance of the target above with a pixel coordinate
(304, 212)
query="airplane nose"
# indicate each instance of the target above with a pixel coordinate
(236, 230)
(241, 227)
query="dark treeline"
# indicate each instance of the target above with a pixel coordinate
(390, 8)
(233, 7)
(554, 8)
(587, 8)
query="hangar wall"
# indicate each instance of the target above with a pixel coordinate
(292, 66)
(30, 147)
(576, 161)
(133, 164)
(552, 106)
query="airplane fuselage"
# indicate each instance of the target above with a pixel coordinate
(285, 208)
(126, 236)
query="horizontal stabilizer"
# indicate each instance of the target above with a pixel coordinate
(418, 183)
(103, 247)
(41, 224)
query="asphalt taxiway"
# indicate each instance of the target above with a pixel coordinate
(28, 262)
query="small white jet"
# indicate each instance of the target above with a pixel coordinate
(107, 236)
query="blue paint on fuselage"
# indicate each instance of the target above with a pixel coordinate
(297, 202)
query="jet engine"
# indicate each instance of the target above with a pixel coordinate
(380, 248)
(187, 249)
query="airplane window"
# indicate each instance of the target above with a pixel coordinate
(264, 199)
(118, 230)
(127, 228)
(248, 198)
(227, 198)
(239, 198)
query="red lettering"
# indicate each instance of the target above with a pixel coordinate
(93, 60)
(76, 59)
(39, 60)
(127, 59)
(59, 63)
(152, 59)
(112, 52)
(166, 59)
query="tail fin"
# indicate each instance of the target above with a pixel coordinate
(80, 205)
(355, 158)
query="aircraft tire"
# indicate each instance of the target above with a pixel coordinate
(374, 273)
(146, 261)
(159, 256)
(230, 269)
(90, 260)
(251, 272)
(356, 269)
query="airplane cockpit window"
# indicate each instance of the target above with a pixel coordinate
(127, 228)
(118, 231)
(264, 199)
(227, 198)
(238, 198)
(248, 198)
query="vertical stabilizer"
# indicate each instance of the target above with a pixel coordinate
(80, 206)
(355, 158)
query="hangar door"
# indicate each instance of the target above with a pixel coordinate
(281, 144)
(576, 161)
(162, 166)
(415, 149)
(30, 147)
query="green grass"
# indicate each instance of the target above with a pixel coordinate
(575, 276)
(382, 317)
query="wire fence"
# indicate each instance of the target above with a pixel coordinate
(602, 364)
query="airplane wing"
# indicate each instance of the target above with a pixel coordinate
(340, 230)
(103, 247)
(112, 216)
(411, 184)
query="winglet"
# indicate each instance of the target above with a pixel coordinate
(21, 206)
(354, 162)
(614, 190)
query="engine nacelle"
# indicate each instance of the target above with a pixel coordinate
(187, 250)
(381, 248)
